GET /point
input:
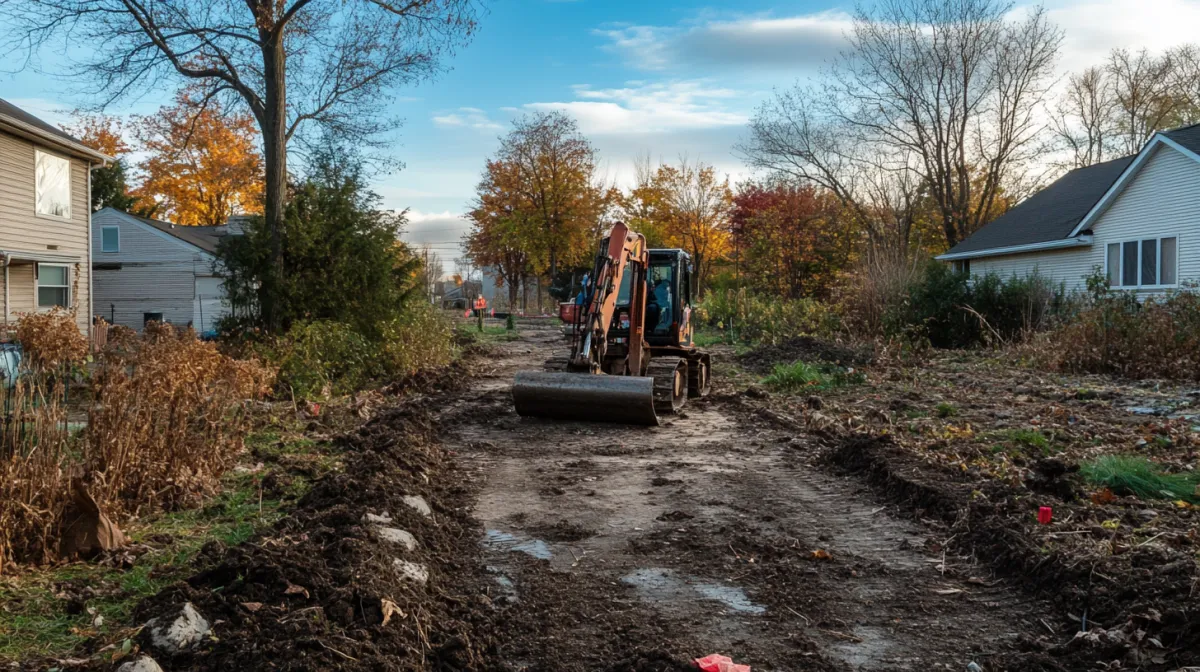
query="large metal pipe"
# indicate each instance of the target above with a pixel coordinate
(583, 396)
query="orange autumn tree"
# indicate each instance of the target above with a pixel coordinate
(204, 164)
(105, 134)
(696, 206)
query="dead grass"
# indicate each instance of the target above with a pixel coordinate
(166, 417)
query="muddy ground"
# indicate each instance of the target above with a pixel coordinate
(871, 527)
(615, 547)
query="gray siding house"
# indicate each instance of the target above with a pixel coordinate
(1136, 218)
(149, 270)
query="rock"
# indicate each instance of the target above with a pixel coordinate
(756, 392)
(382, 519)
(143, 664)
(814, 402)
(411, 571)
(178, 631)
(419, 504)
(397, 536)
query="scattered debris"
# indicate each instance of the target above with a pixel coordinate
(177, 631)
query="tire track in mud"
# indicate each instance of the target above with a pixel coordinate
(616, 547)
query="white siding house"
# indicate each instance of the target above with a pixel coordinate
(147, 270)
(1137, 219)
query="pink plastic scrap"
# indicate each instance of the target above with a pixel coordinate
(719, 663)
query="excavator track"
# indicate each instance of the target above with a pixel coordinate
(699, 375)
(670, 384)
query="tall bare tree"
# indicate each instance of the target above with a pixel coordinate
(948, 90)
(292, 63)
(1084, 118)
(1147, 94)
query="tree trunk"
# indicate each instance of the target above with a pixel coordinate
(274, 129)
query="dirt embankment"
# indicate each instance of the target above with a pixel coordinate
(329, 590)
(976, 446)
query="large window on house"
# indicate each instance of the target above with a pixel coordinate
(110, 239)
(53, 184)
(53, 285)
(1151, 262)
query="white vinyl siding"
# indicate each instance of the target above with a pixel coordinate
(1162, 201)
(22, 229)
(157, 273)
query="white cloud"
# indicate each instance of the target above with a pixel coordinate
(441, 231)
(467, 117)
(791, 43)
(641, 108)
(1095, 27)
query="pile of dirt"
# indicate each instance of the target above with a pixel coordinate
(803, 348)
(323, 591)
(1132, 601)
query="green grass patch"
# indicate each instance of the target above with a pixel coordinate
(1138, 476)
(805, 377)
(36, 623)
(945, 410)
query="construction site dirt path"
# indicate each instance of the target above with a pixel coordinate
(633, 548)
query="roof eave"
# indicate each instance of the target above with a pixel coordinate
(58, 141)
(1081, 240)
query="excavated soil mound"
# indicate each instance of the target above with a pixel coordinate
(764, 358)
(315, 594)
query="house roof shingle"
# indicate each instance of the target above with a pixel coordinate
(204, 237)
(1051, 213)
(1188, 137)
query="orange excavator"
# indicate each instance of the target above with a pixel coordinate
(632, 359)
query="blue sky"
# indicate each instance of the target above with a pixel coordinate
(659, 77)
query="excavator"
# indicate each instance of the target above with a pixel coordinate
(632, 359)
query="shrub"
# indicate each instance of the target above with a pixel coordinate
(421, 339)
(953, 310)
(755, 318)
(1135, 475)
(166, 417)
(321, 358)
(1112, 332)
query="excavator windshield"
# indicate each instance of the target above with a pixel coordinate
(660, 302)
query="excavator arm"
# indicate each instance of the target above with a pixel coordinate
(623, 252)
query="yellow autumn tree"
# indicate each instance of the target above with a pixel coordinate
(696, 204)
(204, 164)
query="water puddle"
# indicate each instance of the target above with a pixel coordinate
(665, 585)
(507, 589)
(505, 541)
(869, 651)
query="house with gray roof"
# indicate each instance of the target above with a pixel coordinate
(148, 270)
(1136, 219)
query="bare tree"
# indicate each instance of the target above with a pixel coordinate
(1084, 119)
(292, 63)
(947, 89)
(1146, 92)
(796, 135)
(432, 270)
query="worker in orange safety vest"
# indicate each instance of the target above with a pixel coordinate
(480, 305)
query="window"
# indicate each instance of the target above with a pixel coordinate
(110, 239)
(1143, 263)
(53, 180)
(53, 286)
(963, 266)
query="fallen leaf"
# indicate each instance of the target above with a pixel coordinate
(252, 606)
(949, 591)
(293, 589)
(1183, 504)
(1103, 496)
(390, 608)
(821, 554)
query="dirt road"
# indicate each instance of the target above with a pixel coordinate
(615, 547)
